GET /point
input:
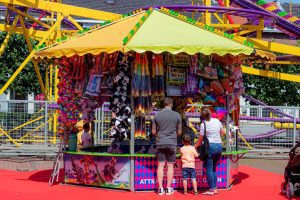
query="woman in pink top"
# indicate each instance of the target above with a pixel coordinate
(188, 155)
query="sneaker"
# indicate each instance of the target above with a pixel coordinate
(169, 191)
(208, 193)
(161, 191)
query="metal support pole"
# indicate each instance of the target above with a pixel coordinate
(95, 135)
(47, 83)
(55, 119)
(50, 92)
(46, 121)
(237, 140)
(102, 123)
(226, 4)
(59, 17)
(5, 42)
(55, 83)
(132, 135)
(228, 161)
(132, 153)
(99, 125)
(260, 109)
(74, 22)
(207, 15)
(50, 82)
(35, 65)
(295, 127)
(132, 131)
(261, 28)
(193, 14)
(227, 124)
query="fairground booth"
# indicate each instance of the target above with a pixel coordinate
(115, 76)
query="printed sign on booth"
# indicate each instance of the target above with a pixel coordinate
(103, 171)
(145, 174)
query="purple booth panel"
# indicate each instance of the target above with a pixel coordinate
(145, 174)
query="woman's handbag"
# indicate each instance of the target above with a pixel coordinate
(203, 149)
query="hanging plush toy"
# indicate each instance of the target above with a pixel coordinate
(120, 102)
(68, 99)
(141, 85)
(216, 87)
(158, 83)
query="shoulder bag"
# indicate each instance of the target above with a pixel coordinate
(204, 148)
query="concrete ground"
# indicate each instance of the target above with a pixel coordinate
(25, 163)
(40, 163)
(271, 165)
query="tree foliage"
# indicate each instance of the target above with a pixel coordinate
(274, 91)
(14, 54)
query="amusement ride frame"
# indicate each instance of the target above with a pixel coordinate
(60, 23)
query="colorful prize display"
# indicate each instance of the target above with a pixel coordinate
(122, 71)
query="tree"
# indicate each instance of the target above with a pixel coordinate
(273, 91)
(14, 54)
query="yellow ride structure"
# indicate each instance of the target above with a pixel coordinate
(59, 11)
(53, 29)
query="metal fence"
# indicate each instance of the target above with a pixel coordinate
(27, 125)
(269, 128)
(102, 124)
(262, 128)
(31, 126)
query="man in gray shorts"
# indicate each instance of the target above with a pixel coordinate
(166, 127)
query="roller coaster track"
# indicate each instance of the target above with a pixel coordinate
(280, 22)
(61, 8)
(254, 15)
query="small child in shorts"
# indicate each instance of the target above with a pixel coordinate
(188, 155)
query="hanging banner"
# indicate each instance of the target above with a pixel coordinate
(99, 171)
(145, 174)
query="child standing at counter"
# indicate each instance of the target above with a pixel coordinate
(86, 137)
(188, 155)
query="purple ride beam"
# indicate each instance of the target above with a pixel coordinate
(66, 21)
(220, 10)
(293, 29)
(269, 119)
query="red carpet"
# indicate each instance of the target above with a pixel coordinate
(254, 184)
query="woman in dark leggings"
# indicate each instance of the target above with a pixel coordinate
(214, 130)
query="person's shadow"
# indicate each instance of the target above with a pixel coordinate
(44, 176)
(240, 177)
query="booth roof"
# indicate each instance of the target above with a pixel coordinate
(158, 32)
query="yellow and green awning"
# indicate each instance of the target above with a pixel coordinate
(153, 30)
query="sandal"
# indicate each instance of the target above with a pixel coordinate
(185, 192)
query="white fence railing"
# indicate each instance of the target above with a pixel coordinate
(31, 124)
(27, 125)
(270, 128)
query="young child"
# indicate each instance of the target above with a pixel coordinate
(85, 137)
(188, 155)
